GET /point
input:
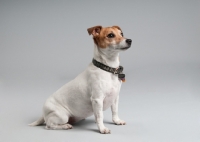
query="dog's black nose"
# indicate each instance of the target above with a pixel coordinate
(129, 41)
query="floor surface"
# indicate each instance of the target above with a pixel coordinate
(158, 106)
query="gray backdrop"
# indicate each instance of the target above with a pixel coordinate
(44, 44)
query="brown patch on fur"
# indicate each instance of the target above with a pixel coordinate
(100, 35)
(94, 30)
(117, 27)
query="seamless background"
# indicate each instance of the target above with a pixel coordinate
(44, 44)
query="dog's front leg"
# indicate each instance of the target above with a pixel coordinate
(97, 105)
(115, 116)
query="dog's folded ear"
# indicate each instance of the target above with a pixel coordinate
(117, 27)
(94, 30)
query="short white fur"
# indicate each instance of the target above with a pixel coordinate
(91, 92)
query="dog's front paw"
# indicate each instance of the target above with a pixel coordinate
(119, 122)
(105, 131)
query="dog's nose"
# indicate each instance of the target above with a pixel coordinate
(129, 41)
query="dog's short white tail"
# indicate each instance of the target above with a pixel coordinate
(37, 122)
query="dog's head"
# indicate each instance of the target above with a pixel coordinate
(109, 37)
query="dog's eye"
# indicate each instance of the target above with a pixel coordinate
(111, 35)
(122, 34)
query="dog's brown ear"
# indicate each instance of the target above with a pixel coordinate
(117, 27)
(94, 30)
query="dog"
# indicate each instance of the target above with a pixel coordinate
(94, 90)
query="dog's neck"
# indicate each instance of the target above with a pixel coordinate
(106, 56)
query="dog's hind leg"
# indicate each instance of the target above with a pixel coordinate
(57, 120)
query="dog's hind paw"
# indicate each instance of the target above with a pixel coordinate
(67, 126)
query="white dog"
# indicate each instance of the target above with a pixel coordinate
(94, 90)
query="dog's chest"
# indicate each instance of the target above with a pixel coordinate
(111, 92)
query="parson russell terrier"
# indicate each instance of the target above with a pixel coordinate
(94, 90)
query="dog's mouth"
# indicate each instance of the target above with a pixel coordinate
(125, 48)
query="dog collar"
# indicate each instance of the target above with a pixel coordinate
(118, 70)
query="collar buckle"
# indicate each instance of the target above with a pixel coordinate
(118, 70)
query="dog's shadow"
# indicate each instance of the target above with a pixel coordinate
(84, 124)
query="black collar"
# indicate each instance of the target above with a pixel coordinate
(118, 70)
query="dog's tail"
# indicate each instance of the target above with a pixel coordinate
(37, 122)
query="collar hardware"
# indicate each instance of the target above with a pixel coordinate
(118, 70)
